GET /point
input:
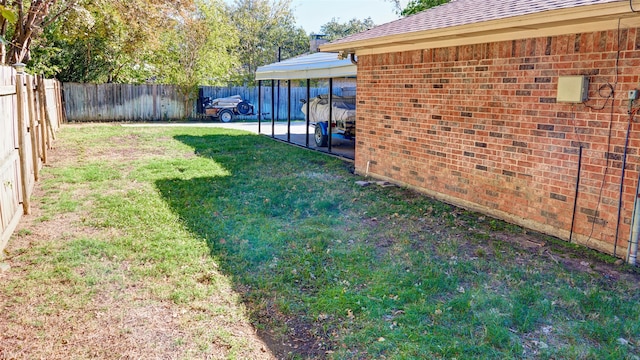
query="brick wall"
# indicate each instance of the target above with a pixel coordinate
(479, 126)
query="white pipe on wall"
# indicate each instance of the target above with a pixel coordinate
(632, 249)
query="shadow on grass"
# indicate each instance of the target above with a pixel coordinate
(248, 218)
(326, 266)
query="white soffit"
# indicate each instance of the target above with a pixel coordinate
(320, 65)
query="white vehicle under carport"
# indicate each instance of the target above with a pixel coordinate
(225, 109)
(343, 114)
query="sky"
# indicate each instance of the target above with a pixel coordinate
(311, 14)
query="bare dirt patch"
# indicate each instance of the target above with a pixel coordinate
(43, 315)
(123, 320)
(580, 259)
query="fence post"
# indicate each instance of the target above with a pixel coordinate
(58, 100)
(33, 129)
(42, 95)
(52, 130)
(24, 178)
(51, 133)
(63, 111)
(154, 94)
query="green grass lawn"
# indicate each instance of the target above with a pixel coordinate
(325, 268)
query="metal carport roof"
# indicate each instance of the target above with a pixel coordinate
(320, 65)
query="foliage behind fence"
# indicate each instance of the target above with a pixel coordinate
(31, 113)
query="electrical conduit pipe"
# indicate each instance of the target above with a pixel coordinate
(632, 249)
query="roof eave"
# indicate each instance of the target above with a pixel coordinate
(548, 23)
(310, 73)
(311, 66)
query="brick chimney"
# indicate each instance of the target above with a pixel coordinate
(315, 40)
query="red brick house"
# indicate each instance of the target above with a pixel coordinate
(462, 102)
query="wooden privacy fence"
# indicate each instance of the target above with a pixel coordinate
(123, 102)
(130, 103)
(30, 114)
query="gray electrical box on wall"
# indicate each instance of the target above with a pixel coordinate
(572, 89)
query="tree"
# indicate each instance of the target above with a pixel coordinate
(21, 22)
(7, 17)
(175, 42)
(396, 5)
(197, 49)
(100, 41)
(123, 40)
(416, 6)
(266, 33)
(335, 30)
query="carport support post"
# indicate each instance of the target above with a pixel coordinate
(330, 114)
(307, 113)
(289, 111)
(273, 107)
(259, 104)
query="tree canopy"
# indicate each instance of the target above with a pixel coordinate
(22, 21)
(266, 33)
(416, 6)
(186, 42)
(335, 30)
(103, 41)
(196, 50)
(135, 41)
(86, 40)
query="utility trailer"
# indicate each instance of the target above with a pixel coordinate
(343, 124)
(225, 109)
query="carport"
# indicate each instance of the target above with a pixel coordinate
(316, 66)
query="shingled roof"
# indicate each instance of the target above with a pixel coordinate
(470, 14)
